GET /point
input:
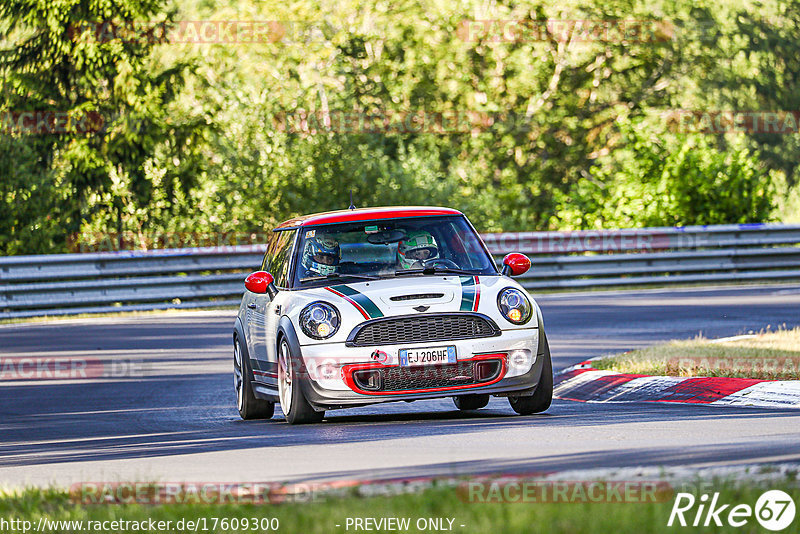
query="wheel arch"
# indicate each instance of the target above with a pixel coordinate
(238, 330)
(239, 337)
(286, 331)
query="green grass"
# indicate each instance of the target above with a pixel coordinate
(444, 502)
(767, 356)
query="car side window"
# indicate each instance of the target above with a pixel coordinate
(273, 238)
(278, 256)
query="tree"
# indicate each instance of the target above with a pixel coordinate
(66, 60)
(661, 178)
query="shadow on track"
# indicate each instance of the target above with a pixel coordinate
(111, 420)
(531, 467)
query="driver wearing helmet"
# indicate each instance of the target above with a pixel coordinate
(417, 247)
(321, 256)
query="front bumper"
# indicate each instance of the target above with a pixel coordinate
(335, 372)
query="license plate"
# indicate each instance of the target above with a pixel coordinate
(427, 356)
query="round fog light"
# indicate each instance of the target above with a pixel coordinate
(327, 371)
(519, 362)
(518, 358)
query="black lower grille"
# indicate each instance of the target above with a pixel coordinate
(430, 377)
(421, 328)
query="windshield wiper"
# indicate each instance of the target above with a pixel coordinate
(433, 270)
(337, 276)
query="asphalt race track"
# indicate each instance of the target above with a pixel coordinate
(167, 411)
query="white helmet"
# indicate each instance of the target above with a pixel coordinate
(417, 246)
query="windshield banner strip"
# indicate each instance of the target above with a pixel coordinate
(362, 302)
(470, 293)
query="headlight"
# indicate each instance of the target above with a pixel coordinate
(514, 305)
(319, 320)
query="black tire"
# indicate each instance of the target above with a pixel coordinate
(471, 402)
(246, 402)
(543, 396)
(299, 410)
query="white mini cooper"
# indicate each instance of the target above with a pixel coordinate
(373, 305)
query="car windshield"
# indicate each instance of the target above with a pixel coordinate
(367, 250)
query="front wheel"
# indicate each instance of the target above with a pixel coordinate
(543, 396)
(293, 403)
(248, 405)
(471, 402)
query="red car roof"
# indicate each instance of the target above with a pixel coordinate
(367, 214)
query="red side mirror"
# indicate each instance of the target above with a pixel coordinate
(515, 264)
(260, 282)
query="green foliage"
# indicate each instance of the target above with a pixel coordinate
(563, 132)
(30, 201)
(57, 64)
(667, 179)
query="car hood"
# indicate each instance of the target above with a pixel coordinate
(412, 295)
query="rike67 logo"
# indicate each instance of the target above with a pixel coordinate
(774, 510)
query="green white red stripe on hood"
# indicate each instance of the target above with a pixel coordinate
(470, 293)
(470, 297)
(363, 303)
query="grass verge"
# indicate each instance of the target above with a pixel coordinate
(444, 503)
(766, 356)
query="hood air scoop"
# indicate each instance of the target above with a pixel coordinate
(418, 296)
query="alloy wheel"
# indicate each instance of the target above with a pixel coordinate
(285, 378)
(238, 380)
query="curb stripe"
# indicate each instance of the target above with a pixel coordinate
(706, 390)
(586, 384)
(599, 386)
(777, 394)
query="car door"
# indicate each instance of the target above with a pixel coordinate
(282, 265)
(261, 318)
(256, 313)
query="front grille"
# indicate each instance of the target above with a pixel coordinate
(422, 328)
(415, 378)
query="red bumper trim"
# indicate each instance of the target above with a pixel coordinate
(348, 371)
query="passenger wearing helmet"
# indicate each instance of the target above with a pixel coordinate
(321, 256)
(417, 247)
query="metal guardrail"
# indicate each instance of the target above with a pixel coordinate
(65, 284)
